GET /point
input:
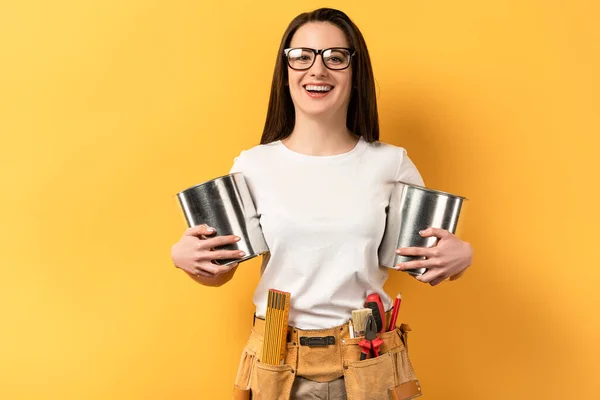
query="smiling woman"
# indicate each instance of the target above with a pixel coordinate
(326, 77)
(321, 181)
(344, 65)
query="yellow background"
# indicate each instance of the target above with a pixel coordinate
(109, 108)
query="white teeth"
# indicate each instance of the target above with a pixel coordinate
(319, 88)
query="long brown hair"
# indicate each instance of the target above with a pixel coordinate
(362, 118)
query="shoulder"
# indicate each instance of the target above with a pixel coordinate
(258, 151)
(248, 158)
(405, 169)
(380, 148)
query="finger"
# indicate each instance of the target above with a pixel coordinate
(437, 232)
(456, 276)
(215, 269)
(220, 241)
(205, 268)
(437, 281)
(204, 274)
(430, 275)
(403, 266)
(199, 230)
(225, 254)
(418, 251)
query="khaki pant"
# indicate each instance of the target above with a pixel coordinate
(389, 376)
(305, 389)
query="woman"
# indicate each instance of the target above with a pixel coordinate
(321, 182)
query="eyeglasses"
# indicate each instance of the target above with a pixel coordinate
(335, 58)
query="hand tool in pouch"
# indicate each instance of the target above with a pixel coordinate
(370, 343)
(359, 320)
(374, 303)
(276, 324)
(395, 312)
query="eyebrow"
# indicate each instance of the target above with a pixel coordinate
(325, 47)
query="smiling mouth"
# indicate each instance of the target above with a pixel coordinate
(318, 88)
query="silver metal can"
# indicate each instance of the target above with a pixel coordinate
(225, 203)
(414, 208)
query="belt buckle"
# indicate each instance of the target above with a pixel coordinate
(317, 341)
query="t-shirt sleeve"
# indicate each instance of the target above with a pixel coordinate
(239, 163)
(407, 171)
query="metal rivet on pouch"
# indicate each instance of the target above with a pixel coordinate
(343, 341)
(293, 343)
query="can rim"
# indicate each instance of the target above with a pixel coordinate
(432, 190)
(209, 181)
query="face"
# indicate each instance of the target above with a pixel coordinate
(319, 90)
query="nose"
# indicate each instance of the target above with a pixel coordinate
(318, 67)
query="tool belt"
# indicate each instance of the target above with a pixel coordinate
(323, 355)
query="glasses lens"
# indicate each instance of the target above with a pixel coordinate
(336, 58)
(300, 58)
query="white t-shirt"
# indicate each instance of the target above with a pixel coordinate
(323, 218)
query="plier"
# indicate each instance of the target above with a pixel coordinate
(371, 342)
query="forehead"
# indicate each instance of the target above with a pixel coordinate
(319, 35)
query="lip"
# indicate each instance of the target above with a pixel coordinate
(317, 95)
(318, 84)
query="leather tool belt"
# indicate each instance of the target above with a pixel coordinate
(323, 355)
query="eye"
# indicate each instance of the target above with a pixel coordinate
(336, 57)
(300, 56)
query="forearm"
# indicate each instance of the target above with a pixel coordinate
(215, 281)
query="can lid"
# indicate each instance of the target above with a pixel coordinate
(209, 181)
(432, 190)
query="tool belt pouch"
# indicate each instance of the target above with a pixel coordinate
(239, 394)
(319, 353)
(258, 381)
(388, 376)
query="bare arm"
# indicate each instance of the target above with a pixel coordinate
(194, 254)
(215, 280)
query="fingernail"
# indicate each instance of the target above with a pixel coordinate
(237, 239)
(210, 229)
(421, 232)
(242, 254)
(399, 251)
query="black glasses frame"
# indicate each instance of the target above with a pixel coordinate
(319, 52)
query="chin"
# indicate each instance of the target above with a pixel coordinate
(315, 112)
(318, 110)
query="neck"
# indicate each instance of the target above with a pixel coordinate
(321, 135)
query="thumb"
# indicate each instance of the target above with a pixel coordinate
(437, 232)
(199, 230)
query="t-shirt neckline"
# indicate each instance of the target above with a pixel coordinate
(359, 145)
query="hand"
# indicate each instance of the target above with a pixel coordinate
(194, 252)
(447, 259)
